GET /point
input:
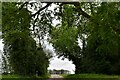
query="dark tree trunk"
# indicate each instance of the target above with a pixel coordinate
(77, 69)
(77, 63)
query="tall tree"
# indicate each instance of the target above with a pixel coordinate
(21, 47)
(96, 36)
(103, 41)
(66, 35)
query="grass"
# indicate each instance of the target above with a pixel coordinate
(48, 75)
(64, 75)
(17, 77)
(91, 77)
(10, 76)
(67, 77)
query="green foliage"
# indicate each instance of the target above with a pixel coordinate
(25, 57)
(99, 36)
(0, 18)
(41, 66)
(103, 41)
(64, 36)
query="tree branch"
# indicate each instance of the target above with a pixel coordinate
(78, 8)
(23, 5)
(76, 4)
(81, 12)
(48, 4)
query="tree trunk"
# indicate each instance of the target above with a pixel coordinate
(77, 69)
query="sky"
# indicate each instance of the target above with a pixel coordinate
(58, 63)
(1, 48)
(1, 45)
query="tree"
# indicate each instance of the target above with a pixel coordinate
(101, 31)
(25, 57)
(103, 41)
(96, 25)
(65, 36)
